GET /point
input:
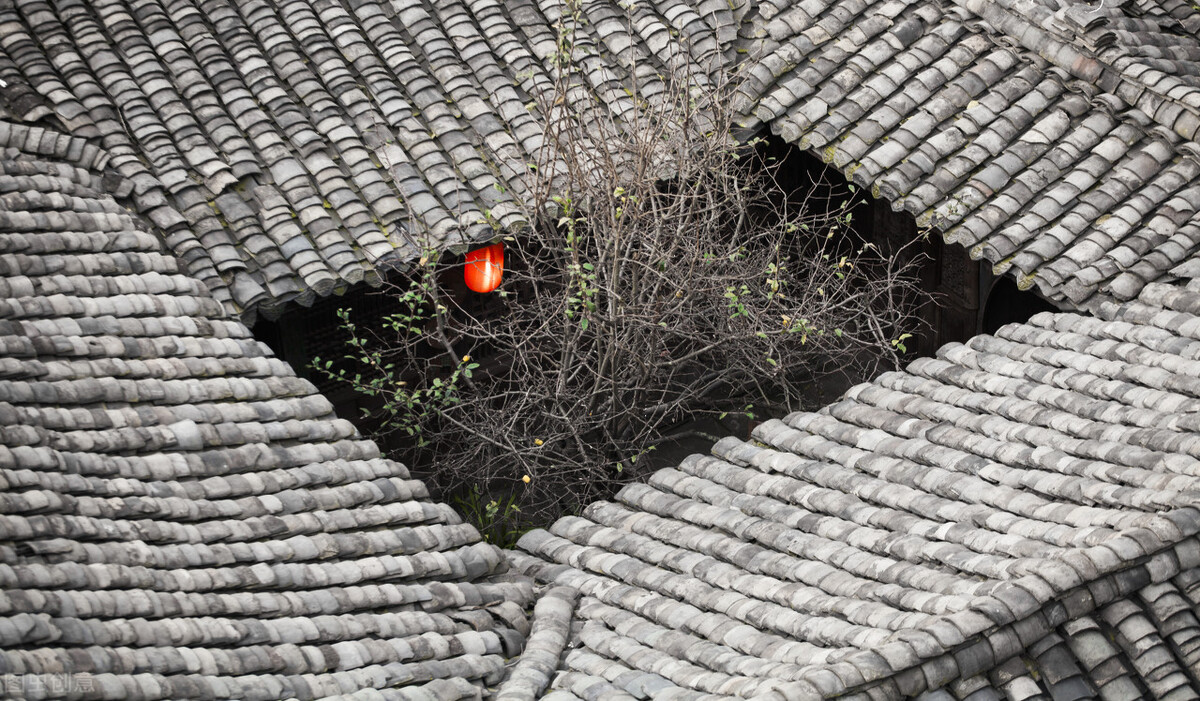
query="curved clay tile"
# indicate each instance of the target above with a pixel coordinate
(1014, 518)
(183, 517)
(290, 149)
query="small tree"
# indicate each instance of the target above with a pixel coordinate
(672, 279)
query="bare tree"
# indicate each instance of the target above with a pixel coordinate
(672, 279)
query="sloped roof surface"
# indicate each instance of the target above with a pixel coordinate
(1056, 140)
(183, 517)
(295, 147)
(180, 515)
(286, 149)
(1029, 496)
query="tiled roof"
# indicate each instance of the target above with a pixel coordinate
(180, 515)
(286, 149)
(294, 147)
(1018, 514)
(1056, 140)
(183, 517)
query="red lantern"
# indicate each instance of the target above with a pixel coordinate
(485, 267)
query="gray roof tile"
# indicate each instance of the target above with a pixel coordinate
(1035, 133)
(181, 516)
(411, 124)
(1062, 193)
(985, 505)
(185, 518)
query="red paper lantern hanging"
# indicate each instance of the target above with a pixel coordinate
(485, 267)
